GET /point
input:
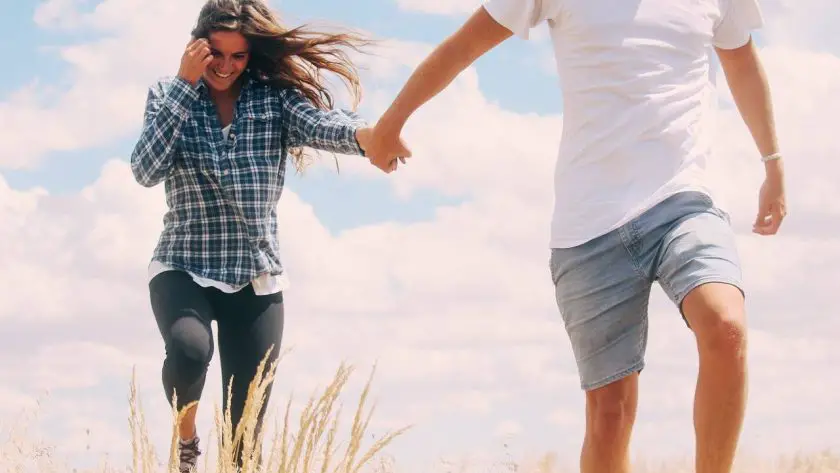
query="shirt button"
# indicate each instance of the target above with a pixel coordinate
(225, 172)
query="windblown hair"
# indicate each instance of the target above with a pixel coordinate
(286, 58)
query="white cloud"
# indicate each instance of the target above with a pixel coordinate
(805, 24)
(464, 8)
(457, 310)
(440, 7)
(108, 77)
(508, 429)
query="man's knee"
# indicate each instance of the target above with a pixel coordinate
(611, 409)
(715, 312)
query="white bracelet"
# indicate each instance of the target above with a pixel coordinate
(771, 157)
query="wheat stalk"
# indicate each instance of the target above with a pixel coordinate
(315, 446)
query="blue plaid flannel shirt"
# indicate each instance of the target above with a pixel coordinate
(222, 194)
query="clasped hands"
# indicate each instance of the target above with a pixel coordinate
(383, 146)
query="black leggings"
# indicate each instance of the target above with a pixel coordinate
(248, 326)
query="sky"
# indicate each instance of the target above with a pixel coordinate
(437, 273)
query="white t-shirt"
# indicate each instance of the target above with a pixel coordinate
(638, 99)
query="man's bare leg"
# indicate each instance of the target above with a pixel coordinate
(716, 314)
(610, 414)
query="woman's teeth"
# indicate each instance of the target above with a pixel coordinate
(223, 76)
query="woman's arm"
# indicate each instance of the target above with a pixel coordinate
(336, 131)
(167, 108)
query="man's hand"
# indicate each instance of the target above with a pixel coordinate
(383, 147)
(772, 208)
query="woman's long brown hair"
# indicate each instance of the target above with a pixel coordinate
(286, 58)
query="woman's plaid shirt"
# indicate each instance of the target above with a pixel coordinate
(222, 193)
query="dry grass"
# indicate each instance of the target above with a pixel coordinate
(825, 462)
(314, 446)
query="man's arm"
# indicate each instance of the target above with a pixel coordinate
(478, 35)
(748, 84)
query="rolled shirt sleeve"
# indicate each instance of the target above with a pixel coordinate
(738, 19)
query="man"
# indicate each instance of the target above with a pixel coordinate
(633, 203)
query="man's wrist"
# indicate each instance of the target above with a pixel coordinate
(390, 122)
(775, 156)
(773, 163)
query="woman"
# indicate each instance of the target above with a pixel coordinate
(246, 96)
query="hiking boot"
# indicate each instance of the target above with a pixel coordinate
(189, 455)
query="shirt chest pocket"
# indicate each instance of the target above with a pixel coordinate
(256, 148)
(259, 132)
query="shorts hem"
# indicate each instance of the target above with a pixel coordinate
(679, 298)
(636, 367)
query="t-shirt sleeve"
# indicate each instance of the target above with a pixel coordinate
(738, 19)
(520, 16)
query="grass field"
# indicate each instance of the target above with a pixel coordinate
(316, 442)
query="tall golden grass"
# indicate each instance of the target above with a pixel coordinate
(314, 446)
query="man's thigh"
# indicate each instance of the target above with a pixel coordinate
(603, 298)
(699, 249)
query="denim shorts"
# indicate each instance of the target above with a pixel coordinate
(603, 286)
